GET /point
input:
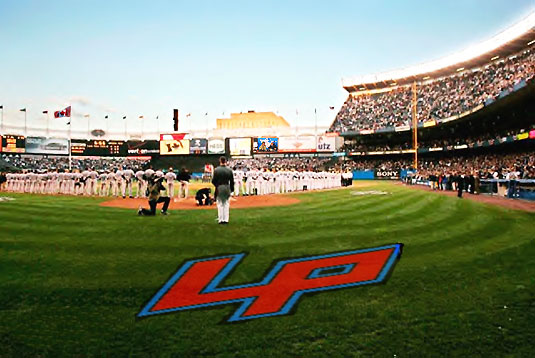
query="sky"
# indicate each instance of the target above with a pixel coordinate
(133, 58)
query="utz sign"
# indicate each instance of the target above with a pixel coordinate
(326, 144)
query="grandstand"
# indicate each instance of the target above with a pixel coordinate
(470, 113)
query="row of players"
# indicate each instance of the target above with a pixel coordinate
(262, 182)
(121, 182)
(93, 183)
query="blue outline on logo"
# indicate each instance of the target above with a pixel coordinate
(248, 301)
(317, 273)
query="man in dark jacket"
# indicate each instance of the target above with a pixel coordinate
(460, 185)
(223, 181)
(203, 197)
(184, 177)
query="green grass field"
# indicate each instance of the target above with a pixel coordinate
(73, 276)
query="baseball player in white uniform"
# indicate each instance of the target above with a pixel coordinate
(170, 177)
(128, 175)
(141, 184)
(238, 181)
(92, 182)
(103, 178)
(117, 184)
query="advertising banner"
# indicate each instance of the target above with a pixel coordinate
(216, 146)
(239, 146)
(265, 145)
(173, 144)
(326, 144)
(148, 147)
(198, 146)
(42, 145)
(297, 144)
(387, 174)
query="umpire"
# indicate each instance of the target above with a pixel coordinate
(223, 181)
(154, 188)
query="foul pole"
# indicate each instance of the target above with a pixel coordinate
(415, 124)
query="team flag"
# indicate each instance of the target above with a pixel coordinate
(45, 112)
(331, 107)
(64, 113)
(188, 115)
(106, 117)
(2, 107)
(123, 117)
(86, 115)
(140, 117)
(23, 110)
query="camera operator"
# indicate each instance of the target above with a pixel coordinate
(203, 197)
(155, 186)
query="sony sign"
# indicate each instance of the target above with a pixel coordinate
(387, 174)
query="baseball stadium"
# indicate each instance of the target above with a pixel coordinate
(403, 227)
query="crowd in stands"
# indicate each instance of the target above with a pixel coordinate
(437, 99)
(42, 163)
(491, 166)
(300, 164)
(429, 143)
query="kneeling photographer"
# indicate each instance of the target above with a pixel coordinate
(155, 186)
(203, 197)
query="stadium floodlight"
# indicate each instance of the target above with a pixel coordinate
(467, 54)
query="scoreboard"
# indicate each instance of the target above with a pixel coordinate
(13, 144)
(78, 147)
(113, 148)
(99, 147)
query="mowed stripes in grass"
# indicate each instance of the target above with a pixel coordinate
(73, 275)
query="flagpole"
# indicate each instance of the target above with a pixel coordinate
(316, 126)
(142, 128)
(25, 122)
(125, 128)
(2, 120)
(296, 123)
(47, 124)
(88, 128)
(70, 141)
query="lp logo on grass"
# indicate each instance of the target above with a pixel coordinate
(196, 283)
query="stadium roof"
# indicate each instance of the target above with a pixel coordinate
(506, 43)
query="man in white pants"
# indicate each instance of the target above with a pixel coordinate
(128, 175)
(238, 181)
(117, 184)
(223, 180)
(103, 177)
(170, 177)
(92, 182)
(141, 184)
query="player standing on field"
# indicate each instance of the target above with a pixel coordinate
(141, 184)
(128, 175)
(223, 181)
(170, 177)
